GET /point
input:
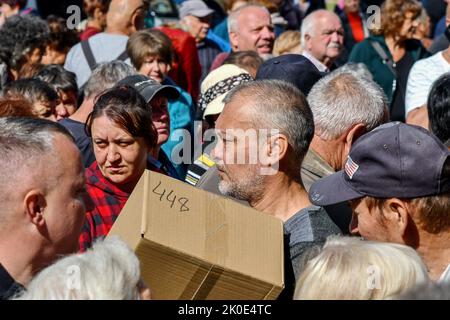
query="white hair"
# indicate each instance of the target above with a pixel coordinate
(108, 271)
(352, 268)
(343, 99)
(309, 24)
(233, 17)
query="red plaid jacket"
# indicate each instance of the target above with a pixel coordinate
(108, 201)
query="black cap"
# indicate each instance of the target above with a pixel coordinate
(395, 160)
(148, 88)
(293, 68)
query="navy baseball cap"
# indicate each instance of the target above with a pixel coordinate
(148, 88)
(293, 68)
(395, 160)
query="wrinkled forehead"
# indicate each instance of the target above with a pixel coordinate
(237, 114)
(328, 21)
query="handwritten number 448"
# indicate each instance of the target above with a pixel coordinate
(171, 198)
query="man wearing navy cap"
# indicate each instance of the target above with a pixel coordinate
(397, 179)
(156, 96)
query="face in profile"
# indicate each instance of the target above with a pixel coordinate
(67, 200)
(161, 118)
(197, 27)
(67, 104)
(240, 177)
(410, 26)
(121, 157)
(366, 221)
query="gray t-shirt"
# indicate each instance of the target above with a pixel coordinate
(105, 48)
(306, 232)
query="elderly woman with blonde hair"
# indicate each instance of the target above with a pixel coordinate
(349, 268)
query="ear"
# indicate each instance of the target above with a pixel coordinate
(275, 150)
(35, 204)
(396, 214)
(234, 41)
(351, 136)
(307, 38)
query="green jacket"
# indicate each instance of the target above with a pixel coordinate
(364, 52)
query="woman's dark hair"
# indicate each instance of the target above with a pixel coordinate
(19, 36)
(128, 109)
(16, 108)
(438, 106)
(34, 90)
(89, 6)
(12, 3)
(58, 78)
(61, 38)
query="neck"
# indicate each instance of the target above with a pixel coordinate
(282, 197)
(83, 111)
(94, 24)
(117, 31)
(328, 150)
(155, 151)
(393, 43)
(22, 267)
(435, 252)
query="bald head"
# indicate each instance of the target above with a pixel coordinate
(126, 16)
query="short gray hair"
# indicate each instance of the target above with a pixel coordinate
(343, 99)
(24, 141)
(105, 76)
(346, 266)
(280, 105)
(357, 68)
(108, 271)
(233, 17)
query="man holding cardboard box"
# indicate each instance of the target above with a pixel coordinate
(277, 117)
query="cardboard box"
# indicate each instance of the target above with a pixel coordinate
(196, 245)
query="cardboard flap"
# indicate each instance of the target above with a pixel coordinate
(218, 231)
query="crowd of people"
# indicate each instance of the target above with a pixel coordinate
(332, 120)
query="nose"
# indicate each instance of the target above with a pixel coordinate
(61, 111)
(155, 65)
(217, 151)
(112, 155)
(267, 33)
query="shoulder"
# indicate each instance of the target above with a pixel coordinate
(310, 224)
(363, 49)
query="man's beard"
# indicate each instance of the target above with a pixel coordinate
(249, 187)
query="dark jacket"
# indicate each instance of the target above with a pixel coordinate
(364, 52)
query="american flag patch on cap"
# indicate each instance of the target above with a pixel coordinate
(351, 167)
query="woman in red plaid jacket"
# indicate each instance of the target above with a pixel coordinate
(122, 135)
